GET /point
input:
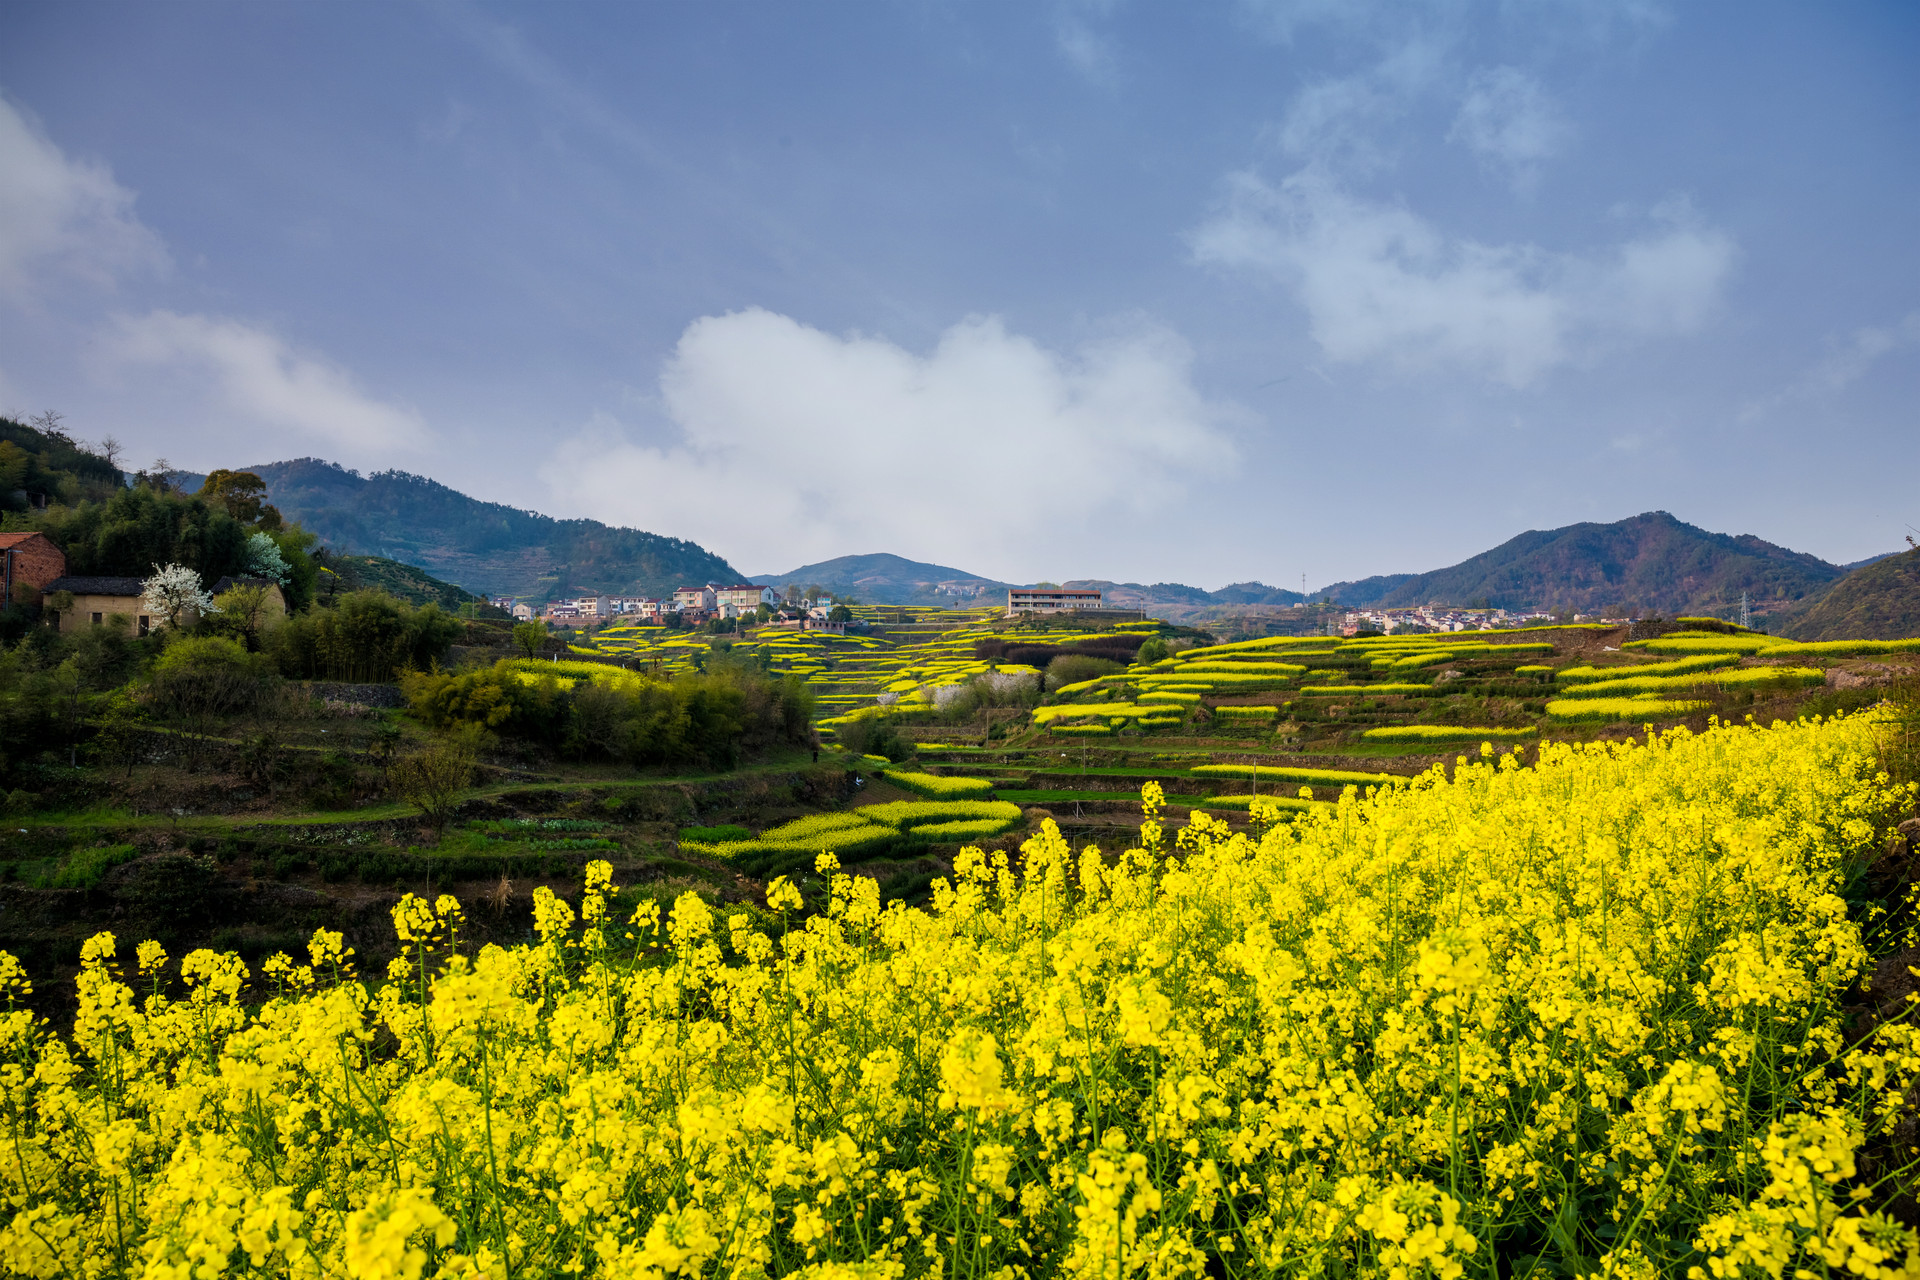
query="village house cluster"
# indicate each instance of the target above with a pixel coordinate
(687, 604)
(1435, 617)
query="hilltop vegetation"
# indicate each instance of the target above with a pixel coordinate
(485, 547)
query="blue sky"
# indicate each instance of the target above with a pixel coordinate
(1090, 288)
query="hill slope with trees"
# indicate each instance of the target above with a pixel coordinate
(1878, 601)
(485, 547)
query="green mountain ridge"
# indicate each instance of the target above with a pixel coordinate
(1649, 563)
(1878, 601)
(485, 547)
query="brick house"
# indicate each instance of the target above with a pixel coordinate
(29, 561)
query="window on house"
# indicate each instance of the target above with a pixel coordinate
(145, 624)
(96, 619)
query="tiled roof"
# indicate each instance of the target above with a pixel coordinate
(98, 586)
(15, 539)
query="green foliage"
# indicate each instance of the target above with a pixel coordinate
(83, 868)
(138, 528)
(200, 678)
(45, 466)
(1153, 650)
(1075, 668)
(710, 718)
(364, 635)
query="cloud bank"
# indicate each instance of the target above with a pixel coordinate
(1381, 284)
(254, 376)
(990, 452)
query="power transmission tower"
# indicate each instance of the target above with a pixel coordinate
(1746, 615)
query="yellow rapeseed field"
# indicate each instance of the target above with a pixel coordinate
(1582, 1018)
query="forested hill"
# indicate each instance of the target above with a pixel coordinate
(1651, 563)
(486, 547)
(1878, 601)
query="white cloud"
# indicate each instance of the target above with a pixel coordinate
(990, 453)
(262, 383)
(1508, 120)
(1849, 361)
(63, 216)
(1380, 283)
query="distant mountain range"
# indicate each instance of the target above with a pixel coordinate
(1648, 564)
(890, 579)
(485, 547)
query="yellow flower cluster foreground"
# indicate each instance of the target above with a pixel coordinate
(1581, 1018)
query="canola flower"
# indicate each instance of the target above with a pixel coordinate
(1581, 1018)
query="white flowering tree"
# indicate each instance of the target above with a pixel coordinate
(173, 592)
(265, 561)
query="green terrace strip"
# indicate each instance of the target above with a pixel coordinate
(1286, 804)
(1447, 733)
(1109, 711)
(1678, 667)
(1703, 642)
(1290, 773)
(1360, 690)
(1418, 659)
(1055, 797)
(1216, 680)
(935, 787)
(865, 831)
(1611, 709)
(1841, 648)
(1726, 678)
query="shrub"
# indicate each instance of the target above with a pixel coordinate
(1076, 668)
(433, 780)
(208, 677)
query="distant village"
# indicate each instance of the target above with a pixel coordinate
(694, 606)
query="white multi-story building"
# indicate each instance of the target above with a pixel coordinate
(743, 598)
(1049, 599)
(693, 599)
